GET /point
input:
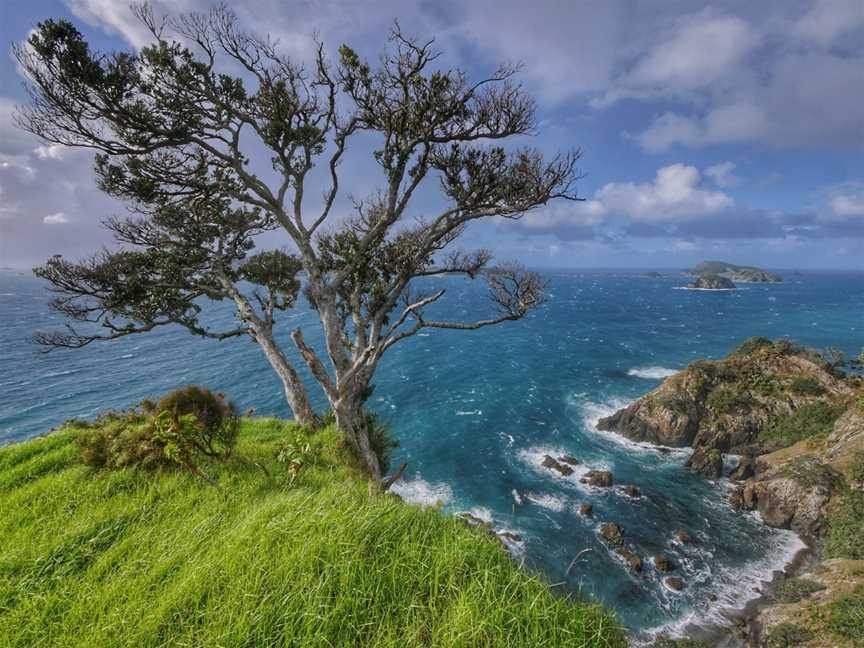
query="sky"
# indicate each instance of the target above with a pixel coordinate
(728, 130)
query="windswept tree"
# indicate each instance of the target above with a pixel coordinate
(176, 128)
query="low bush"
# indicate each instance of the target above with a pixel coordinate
(184, 426)
(784, 635)
(797, 589)
(857, 469)
(846, 615)
(726, 400)
(806, 386)
(381, 439)
(753, 344)
(809, 420)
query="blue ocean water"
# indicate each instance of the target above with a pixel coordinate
(475, 413)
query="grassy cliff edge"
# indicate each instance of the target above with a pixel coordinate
(131, 558)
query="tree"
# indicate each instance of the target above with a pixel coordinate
(175, 134)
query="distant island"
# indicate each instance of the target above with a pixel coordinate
(650, 275)
(711, 282)
(736, 273)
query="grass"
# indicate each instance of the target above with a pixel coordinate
(846, 615)
(788, 634)
(797, 589)
(846, 528)
(133, 558)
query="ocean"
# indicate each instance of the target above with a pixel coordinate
(475, 412)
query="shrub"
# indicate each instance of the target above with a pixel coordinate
(846, 528)
(806, 386)
(797, 589)
(813, 474)
(846, 615)
(809, 420)
(788, 634)
(171, 435)
(753, 344)
(728, 399)
(857, 469)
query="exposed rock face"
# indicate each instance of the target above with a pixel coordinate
(473, 520)
(599, 478)
(712, 282)
(567, 459)
(613, 534)
(662, 563)
(634, 561)
(742, 274)
(552, 464)
(706, 462)
(745, 469)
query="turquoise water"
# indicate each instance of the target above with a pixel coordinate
(475, 412)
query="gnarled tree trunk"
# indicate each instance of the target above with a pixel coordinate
(352, 420)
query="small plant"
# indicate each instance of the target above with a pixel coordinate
(846, 615)
(806, 386)
(797, 589)
(295, 454)
(788, 634)
(382, 441)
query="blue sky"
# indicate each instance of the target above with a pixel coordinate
(729, 130)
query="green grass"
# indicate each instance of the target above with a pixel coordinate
(846, 615)
(797, 589)
(130, 558)
(846, 528)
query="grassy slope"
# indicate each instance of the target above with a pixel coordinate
(131, 559)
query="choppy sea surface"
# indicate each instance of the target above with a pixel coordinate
(475, 412)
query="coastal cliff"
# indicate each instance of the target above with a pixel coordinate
(797, 425)
(710, 281)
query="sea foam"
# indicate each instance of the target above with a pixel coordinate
(419, 491)
(652, 373)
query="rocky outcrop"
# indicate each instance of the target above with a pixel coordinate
(631, 491)
(552, 464)
(745, 469)
(612, 533)
(738, 273)
(567, 459)
(586, 509)
(711, 282)
(632, 560)
(674, 583)
(708, 463)
(662, 563)
(725, 404)
(598, 478)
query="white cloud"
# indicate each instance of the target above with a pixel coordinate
(722, 174)
(828, 19)
(50, 151)
(59, 218)
(845, 202)
(675, 194)
(702, 49)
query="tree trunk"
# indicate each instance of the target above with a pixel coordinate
(352, 422)
(295, 392)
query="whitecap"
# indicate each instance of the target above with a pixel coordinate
(419, 491)
(517, 497)
(67, 372)
(127, 356)
(547, 501)
(469, 413)
(652, 373)
(482, 513)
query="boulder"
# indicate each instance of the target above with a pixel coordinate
(683, 537)
(471, 519)
(634, 561)
(708, 463)
(552, 464)
(600, 478)
(630, 490)
(613, 534)
(509, 535)
(662, 563)
(568, 459)
(745, 469)
(586, 509)
(673, 583)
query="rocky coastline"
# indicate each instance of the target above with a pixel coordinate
(797, 425)
(736, 273)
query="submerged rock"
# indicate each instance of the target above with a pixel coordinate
(586, 509)
(630, 490)
(662, 563)
(599, 478)
(708, 463)
(683, 537)
(673, 583)
(634, 561)
(552, 464)
(613, 534)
